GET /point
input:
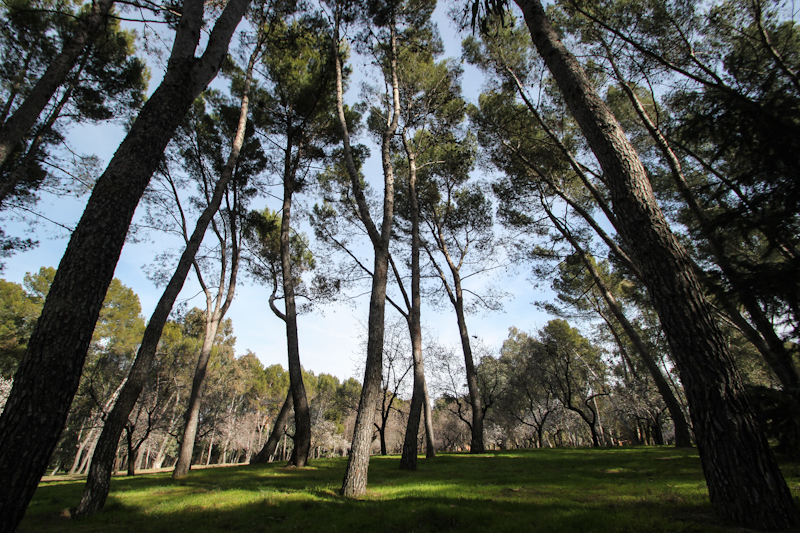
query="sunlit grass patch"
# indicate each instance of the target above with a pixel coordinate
(599, 490)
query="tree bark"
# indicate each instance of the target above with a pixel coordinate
(772, 348)
(302, 417)
(355, 479)
(476, 443)
(744, 481)
(23, 119)
(192, 416)
(408, 460)
(278, 429)
(98, 481)
(430, 441)
(48, 375)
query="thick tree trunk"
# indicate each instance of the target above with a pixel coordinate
(278, 428)
(24, 118)
(355, 480)
(744, 481)
(48, 375)
(302, 418)
(772, 348)
(97, 482)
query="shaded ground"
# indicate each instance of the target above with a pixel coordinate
(593, 490)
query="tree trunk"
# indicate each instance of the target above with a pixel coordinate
(302, 417)
(162, 453)
(96, 489)
(744, 481)
(87, 459)
(278, 429)
(48, 375)
(355, 479)
(773, 348)
(683, 436)
(81, 448)
(476, 443)
(430, 446)
(408, 460)
(133, 454)
(382, 437)
(192, 416)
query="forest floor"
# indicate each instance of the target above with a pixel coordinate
(637, 489)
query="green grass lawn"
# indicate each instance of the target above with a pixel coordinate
(599, 490)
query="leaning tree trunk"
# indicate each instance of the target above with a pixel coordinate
(98, 481)
(744, 481)
(48, 375)
(771, 346)
(683, 435)
(476, 443)
(216, 308)
(192, 416)
(278, 429)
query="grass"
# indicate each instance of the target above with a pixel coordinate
(655, 489)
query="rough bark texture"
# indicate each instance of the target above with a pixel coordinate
(98, 481)
(48, 376)
(278, 430)
(744, 481)
(23, 119)
(771, 346)
(355, 479)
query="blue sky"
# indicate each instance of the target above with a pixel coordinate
(329, 338)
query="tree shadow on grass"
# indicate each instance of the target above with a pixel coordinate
(520, 491)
